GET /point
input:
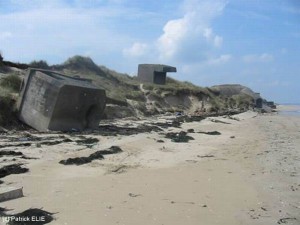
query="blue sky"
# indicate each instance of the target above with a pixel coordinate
(252, 42)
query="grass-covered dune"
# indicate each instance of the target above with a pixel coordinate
(126, 95)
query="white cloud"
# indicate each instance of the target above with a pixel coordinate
(220, 60)
(56, 31)
(174, 33)
(136, 50)
(253, 58)
(191, 36)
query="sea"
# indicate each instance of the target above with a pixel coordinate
(293, 110)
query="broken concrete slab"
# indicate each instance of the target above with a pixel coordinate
(52, 101)
(9, 193)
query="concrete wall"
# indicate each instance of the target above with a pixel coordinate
(52, 101)
(259, 103)
(154, 73)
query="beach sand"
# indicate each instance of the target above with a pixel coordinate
(250, 174)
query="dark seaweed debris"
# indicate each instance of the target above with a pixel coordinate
(96, 155)
(113, 130)
(179, 137)
(174, 123)
(29, 217)
(55, 142)
(205, 156)
(89, 142)
(12, 153)
(2, 211)
(12, 169)
(111, 150)
(79, 160)
(210, 132)
(219, 121)
(16, 145)
(285, 220)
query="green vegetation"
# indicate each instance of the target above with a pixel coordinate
(177, 88)
(243, 101)
(11, 82)
(9, 87)
(39, 64)
(123, 91)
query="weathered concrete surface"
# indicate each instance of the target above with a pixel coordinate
(52, 101)
(154, 73)
(9, 193)
(235, 89)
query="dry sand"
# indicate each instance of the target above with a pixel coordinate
(250, 174)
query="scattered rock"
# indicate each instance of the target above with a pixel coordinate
(210, 132)
(233, 118)
(133, 195)
(232, 136)
(12, 169)
(219, 121)
(205, 156)
(119, 169)
(160, 141)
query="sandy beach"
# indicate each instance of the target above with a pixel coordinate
(248, 174)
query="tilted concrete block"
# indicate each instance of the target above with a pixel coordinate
(52, 101)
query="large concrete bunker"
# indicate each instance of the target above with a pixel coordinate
(154, 73)
(52, 101)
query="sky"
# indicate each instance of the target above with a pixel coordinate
(255, 43)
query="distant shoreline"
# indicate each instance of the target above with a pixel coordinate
(291, 110)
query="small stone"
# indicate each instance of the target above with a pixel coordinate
(38, 145)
